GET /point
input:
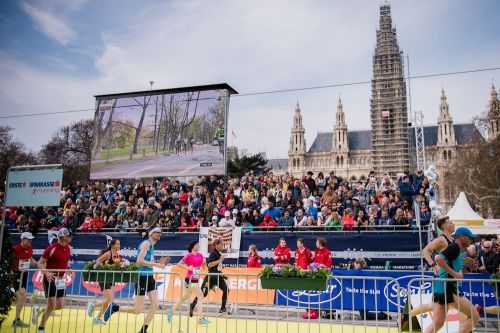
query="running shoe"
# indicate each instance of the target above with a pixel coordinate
(98, 322)
(112, 308)
(20, 324)
(90, 309)
(35, 314)
(40, 331)
(203, 321)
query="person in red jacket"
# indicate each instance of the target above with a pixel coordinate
(322, 255)
(268, 222)
(303, 256)
(23, 259)
(323, 258)
(282, 253)
(254, 260)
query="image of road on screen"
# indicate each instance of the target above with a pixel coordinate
(174, 132)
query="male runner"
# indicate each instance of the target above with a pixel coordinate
(146, 283)
(23, 259)
(450, 263)
(55, 259)
(437, 245)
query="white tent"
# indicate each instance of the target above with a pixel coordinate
(462, 214)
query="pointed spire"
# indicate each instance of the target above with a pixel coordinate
(444, 114)
(493, 94)
(297, 107)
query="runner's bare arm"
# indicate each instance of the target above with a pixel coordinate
(437, 245)
(42, 265)
(105, 256)
(442, 263)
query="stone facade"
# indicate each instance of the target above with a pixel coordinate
(351, 154)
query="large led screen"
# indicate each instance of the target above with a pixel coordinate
(173, 132)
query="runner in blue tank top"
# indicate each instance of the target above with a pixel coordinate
(450, 263)
(146, 283)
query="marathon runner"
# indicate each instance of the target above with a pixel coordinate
(146, 283)
(193, 261)
(22, 261)
(214, 263)
(53, 263)
(450, 263)
(436, 246)
(109, 256)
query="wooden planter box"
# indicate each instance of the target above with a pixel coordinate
(293, 283)
(105, 278)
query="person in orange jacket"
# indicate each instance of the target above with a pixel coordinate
(282, 253)
(303, 256)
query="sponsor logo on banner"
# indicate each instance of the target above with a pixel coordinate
(312, 297)
(400, 286)
(95, 288)
(243, 283)
(38, 187)
(37, 279)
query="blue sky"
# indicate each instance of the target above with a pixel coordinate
(56, 54)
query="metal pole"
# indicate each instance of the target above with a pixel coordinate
(4, 213)
(417, 218)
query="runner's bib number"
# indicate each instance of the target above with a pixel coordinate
(24, 265)
(60, 284)
(196, 273)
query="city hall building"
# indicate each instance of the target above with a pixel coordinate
(389, 147)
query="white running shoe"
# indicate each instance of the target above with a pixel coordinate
(34, 314)
(90, 309)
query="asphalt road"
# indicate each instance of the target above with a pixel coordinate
(188, 164)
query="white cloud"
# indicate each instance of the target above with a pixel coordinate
(50, 24)
(255, 46)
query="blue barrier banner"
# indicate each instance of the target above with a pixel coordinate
(399, 250)
(348, 290)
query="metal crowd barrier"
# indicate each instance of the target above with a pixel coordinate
(482, 294)
(350, 303)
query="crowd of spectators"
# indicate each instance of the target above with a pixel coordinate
(483, 257)
(266, 202)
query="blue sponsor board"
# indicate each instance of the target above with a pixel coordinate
(378, 291)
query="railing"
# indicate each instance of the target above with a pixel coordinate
(475, 302)
(332, 229)
(348, 302)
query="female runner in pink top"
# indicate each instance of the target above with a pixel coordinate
(193, 262)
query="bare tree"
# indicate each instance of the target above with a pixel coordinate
(144, 105)
(476, 171)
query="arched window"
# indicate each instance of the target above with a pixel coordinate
(338, 161)
(342, 161)
(363, 177)
(449, 154)
(444, 155)
(353, 178)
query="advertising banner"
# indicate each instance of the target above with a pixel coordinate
(41, 187)
(231, 238)
(386, 293)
